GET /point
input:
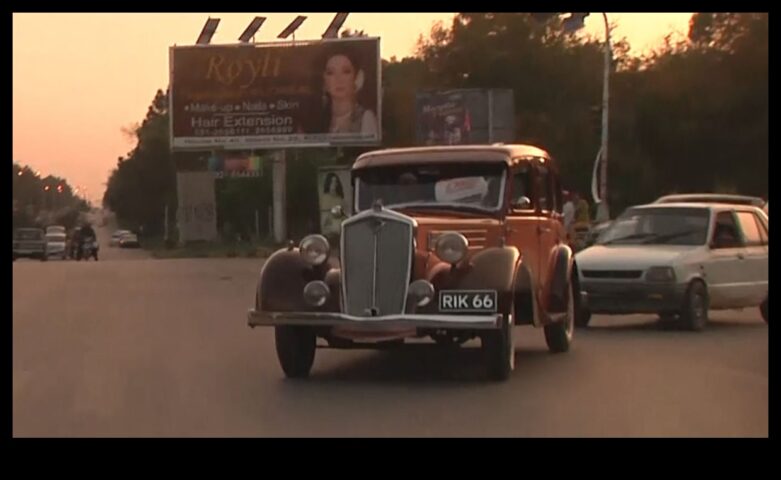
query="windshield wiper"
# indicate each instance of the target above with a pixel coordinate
(667, 237)
(634, 236)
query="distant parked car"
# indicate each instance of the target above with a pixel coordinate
(129, 240)
(56, 244)
(29, 243)
(114, 242)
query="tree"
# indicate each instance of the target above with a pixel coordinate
(144, 181)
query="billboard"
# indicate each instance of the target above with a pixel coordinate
(464, 116)
(333, 188)
(276, 95)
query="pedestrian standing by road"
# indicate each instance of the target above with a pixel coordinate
(568, 210)
(582, 214)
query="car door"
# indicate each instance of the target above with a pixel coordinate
(725, 270)
(549, 226)
(523, 218)
(756, 257)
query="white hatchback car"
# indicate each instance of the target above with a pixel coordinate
(678, 260)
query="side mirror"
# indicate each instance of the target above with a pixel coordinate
(522, 203)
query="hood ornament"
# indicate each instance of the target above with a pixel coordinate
(377, 205)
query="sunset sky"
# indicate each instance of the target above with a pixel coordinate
(79, 78)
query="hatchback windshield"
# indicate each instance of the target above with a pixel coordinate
(658, 226)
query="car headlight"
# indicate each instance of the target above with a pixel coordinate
(451, 247)
(316, 293)
(422, 291)
(660, 274)
(315, 249)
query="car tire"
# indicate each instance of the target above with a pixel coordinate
(582, 317)
(694, 312)
(763, 310)
(559, 335)
(499, 349)
(295, 350)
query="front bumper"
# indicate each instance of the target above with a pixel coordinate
(613, 297)
(29, 252)
(330, 319)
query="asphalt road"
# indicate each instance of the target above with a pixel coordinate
(143, 347)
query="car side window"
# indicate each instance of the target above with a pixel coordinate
(763, 233)
(748, 225)
(544, 189)
(725, 232)
(557, 197)
(522, 187)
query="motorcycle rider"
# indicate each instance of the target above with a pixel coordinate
(86, 234)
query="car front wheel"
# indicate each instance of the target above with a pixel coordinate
(295, 350)
(558, 335)
(694, 313)
(499, 349)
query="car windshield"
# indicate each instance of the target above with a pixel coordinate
(461, 186)
(28, 234)
(658, 226)
(55, 237)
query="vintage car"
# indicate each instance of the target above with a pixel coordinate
(451, 243)
(678, 260)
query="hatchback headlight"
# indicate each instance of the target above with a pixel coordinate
(660, 274)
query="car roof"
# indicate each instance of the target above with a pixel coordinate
(711, 198)
(706, 205)
(447, 154)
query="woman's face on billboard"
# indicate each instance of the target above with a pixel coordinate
(339, 78)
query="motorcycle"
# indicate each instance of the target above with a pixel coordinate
(89, 248)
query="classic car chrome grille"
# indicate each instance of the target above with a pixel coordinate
(376, 263)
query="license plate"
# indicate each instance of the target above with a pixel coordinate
(467, 301)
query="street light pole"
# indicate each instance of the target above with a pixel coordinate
(603, 212)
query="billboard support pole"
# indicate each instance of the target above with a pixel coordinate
(165, 223)
(278, 196)
(490, 116)
(270, 225)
